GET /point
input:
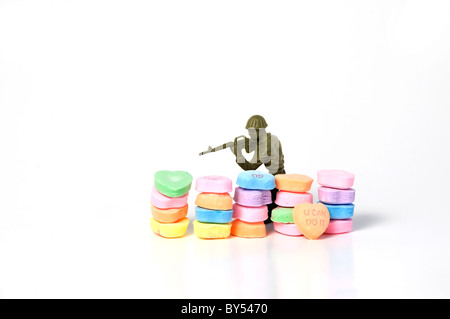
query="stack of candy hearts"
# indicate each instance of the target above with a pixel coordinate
(169, 203)
(338, 196)
(292, 190)
(251, 199)
(214, 210)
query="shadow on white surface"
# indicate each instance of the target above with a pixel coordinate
(364, 220)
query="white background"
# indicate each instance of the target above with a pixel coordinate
(96, 96)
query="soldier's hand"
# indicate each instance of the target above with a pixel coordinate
(233, 151)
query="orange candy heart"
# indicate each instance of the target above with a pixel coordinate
(214, 201)
(296, 183)
(169, 215)
(240, 228)
(311, 219)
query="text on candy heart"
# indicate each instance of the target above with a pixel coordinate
(257, 175)
(313, 212)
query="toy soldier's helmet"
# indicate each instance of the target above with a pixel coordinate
(257, 122)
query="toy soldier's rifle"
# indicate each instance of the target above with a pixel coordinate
(239, 143)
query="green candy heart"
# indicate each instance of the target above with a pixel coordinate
(282, 215)
(173, 183)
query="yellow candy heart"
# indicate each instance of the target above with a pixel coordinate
(170, 230)
(211, 230)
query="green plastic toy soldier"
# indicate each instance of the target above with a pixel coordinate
(267, 148)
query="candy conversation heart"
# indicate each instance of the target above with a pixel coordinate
(213, 184)
(256, 180)
(211, 230)
(293, 182)
(335, 178)
(214, 207)
(168, 203)
(240, 228)
(250, 214)
(288, 229)
(169, 215)
(214, 201)
(339, 226)
(311, 219)
(336, 196)
(170, 230)
(344, 211)
(164, 202)
(290, 199)
(252, 197)
(213, 216)
(282, 215)
(173, 183)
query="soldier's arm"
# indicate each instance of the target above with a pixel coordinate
(240, 143)
(276, 164)
(243, 144)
